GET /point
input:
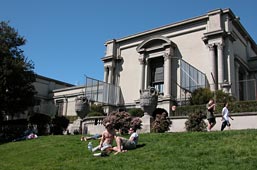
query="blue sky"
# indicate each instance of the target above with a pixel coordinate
(65, 38)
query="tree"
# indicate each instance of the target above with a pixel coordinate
(16, 73)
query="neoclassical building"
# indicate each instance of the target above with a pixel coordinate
(213, 50)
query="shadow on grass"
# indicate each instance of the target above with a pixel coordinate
(140, 145)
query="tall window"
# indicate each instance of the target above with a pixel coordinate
(59, 105)
(157, 73)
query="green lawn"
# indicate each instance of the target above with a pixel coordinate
(214, 150)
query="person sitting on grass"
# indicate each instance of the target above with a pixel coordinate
(124, 144)
(107, 138)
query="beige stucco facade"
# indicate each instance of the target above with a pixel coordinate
(44, 87)
(45, 104)
(213, 50)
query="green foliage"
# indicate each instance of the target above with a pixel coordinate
(173, 151)
(92, 113)
(41, 120)
(221, 97)
(16, 73)
(200, 96)
(203, 95)
(60, 123)
(72, 118)
(234, 107)
(12, 129)
(96, 110)
(242, 106)
(136, 112)
(196, 122)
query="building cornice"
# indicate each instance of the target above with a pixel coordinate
(228, 11)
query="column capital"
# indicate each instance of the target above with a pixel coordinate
(141, 59)
(220, 46)
(211, 47)
(106, 67)
(166, 56)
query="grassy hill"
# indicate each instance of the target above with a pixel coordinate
(215, 150)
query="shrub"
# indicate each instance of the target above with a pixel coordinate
(196, 122)
(122, 121)
(221, 97)
(203, 95)
(200, 96)
(60, 123)
(161, 123)
(12, 129)
(136, 112)
(91, 114)
(41, 120)
(96, 110)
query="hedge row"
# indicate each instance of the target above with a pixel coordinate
(234, 107)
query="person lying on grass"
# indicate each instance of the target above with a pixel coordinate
(94, 137)
(124, 144)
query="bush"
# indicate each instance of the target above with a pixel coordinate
(234, 107)
(122, 121)
(200, 96)
(12, 129)
(41, 120)
(91, 114)
(60, 123)
(96, 110)
(136, 112)
(161, 123)
(196, 122)
(203, 95)
(221, 97)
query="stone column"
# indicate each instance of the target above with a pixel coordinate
(167, 74)
(246, 96)
(231, 67)
(147, 74)
(237, 79)
(212, 67)
(105, 74)
(142, 72)
(220, 65)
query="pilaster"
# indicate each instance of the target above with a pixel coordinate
(142, 71)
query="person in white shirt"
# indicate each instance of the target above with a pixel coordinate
(124, 144)
(225, 117)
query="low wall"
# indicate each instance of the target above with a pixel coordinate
(241, 121)
(93, 125)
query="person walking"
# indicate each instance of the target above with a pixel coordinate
(210, 114)
(225, 117)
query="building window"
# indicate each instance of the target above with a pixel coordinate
(157, 73)
(59, 106)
